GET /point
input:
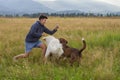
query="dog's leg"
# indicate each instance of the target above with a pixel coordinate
(78, 61)
(72, 59)
(46, 56)
(60, 53)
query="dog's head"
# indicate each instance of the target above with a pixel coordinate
(63, 41)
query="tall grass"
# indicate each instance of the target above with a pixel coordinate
(100, 60)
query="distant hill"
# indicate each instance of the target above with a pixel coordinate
(83, 6)
(22, 6)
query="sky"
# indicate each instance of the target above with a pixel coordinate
(113, 2)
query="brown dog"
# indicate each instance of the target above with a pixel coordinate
(73, 53)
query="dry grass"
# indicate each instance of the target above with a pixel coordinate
(100, 60)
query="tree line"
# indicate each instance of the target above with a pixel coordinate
(35, 15)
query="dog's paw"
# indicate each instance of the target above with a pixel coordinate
(83, 39)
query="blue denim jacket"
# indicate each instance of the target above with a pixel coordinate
(36, 32)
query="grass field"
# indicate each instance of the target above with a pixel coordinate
(100, 60)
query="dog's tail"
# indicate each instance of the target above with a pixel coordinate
(84, 45)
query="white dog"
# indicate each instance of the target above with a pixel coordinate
(54, 47)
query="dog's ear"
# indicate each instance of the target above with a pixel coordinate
(66, 41)
(44, 38)
(60, 39)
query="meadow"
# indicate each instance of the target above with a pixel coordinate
(100, 60)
